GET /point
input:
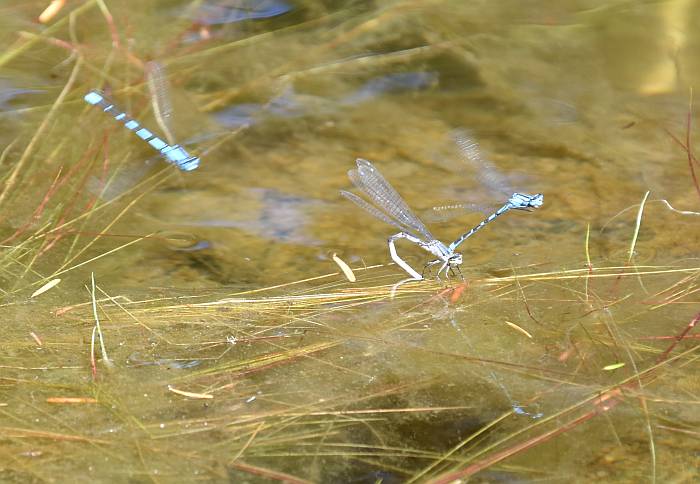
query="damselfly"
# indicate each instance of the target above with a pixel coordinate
(174, 153)
(492, 179)
(488, 176)
(391, 208)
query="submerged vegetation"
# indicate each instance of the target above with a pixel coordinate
(169, 326)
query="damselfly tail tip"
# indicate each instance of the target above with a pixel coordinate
(93, 97)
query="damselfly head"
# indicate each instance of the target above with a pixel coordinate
(536, 201)
(523, 201)
(455, 259)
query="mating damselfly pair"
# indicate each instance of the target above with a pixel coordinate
(392, 209)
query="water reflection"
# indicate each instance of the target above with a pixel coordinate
(137, 359)
(271, 215)
(11, 97)
(391, 83)
(291, 104)
(231, 11)
(195, 247)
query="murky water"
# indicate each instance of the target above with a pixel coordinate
(237, 352)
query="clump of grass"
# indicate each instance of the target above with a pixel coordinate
(254, 347)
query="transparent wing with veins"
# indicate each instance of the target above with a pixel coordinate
(484, 170)
(160, 98)
(386, 200)
(371, 209)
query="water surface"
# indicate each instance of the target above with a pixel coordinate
(239, 352)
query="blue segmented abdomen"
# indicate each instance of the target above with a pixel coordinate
(175, 154)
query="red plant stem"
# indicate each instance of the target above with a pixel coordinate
(38, 210)
(105, 172)
(679, 338)
(689, 153)
(112, 28)
(687, 146)
(68, 208)
(268, 473)
(652, 338)
(58, 182)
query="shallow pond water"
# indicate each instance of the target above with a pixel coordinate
(230, 347)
